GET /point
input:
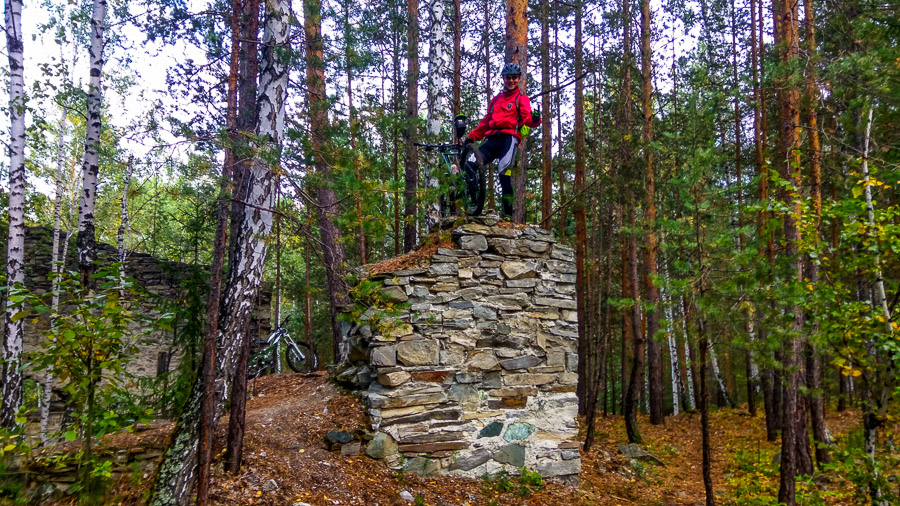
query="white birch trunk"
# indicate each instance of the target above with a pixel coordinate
(178, 469)
(677, 386)
(438, 54)
(13, 343)
(754, 369)
(90, 167)
(871, 430)
(55, 267)
(714, 361)
(438, 62)
(870, 209)
(688, 369)
(123, 222)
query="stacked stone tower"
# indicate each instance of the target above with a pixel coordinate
(475, 373)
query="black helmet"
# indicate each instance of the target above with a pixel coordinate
(511, 69)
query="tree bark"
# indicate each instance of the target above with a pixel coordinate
(332, 247)
(516, 52)
(656, 394)
(788, 159)
(86, 242)
(546, 127)
(412, 115)
(179, 464)
(13, 339)
(248, 65)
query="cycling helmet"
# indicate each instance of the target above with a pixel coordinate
(511, 69)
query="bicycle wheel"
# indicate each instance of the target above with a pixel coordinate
(297, 361)
(472, 170)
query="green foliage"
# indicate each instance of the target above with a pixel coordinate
(88, 345)
(524, 484)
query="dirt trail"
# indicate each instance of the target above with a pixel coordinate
(286, 461)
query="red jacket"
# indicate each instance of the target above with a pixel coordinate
(506, 114)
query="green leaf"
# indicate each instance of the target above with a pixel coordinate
(70, 435)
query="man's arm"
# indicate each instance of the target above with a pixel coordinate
(478, 132)
(530, 118)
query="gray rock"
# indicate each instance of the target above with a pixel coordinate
(484, 312)
(270, 486)
(511, 454)
(633, 451)
(443, 269)
(393, 379)
(351, 449)
(381, 446)
(551, 468)
(384, 356)
(406, 496)
(514, 269)
(470, 461)
(394, 294)
(473, 242)
(520, 362)
(420, 352)
(423, 466)
(484, 361)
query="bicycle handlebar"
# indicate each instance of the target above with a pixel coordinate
(432, 147)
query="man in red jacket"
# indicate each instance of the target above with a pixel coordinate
(506, 114)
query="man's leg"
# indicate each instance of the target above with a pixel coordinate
(504, 169)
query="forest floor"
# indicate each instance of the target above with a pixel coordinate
(286, 460)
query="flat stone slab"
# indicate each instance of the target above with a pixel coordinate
(633, 451)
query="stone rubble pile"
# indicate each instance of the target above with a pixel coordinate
(476, 372)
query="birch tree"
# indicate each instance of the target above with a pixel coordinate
(87, 245)
(13, 341)
(178, 468)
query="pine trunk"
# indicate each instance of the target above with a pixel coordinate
(516, 52)
(411, 172)
(546, 127)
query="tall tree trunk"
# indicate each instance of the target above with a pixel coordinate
(351, 111)
(207, 406)
(874, 403)
(248, 65)
(122, 234)
(436, 105)
(412, 116)
(584, 372)
(636, 377)
(332, 247)
(560, 169)
(546, 130)
(55, 258)
(654, 353)
(87, 245)
(704, 347)
(179, 464)
(13, 340)
(788, 159)
(457, 55)
(516, 52)
(487, 90)
(395, 159)
(813, 360)
(679, 396)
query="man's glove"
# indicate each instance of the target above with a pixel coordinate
(466, 140)
(535, 115)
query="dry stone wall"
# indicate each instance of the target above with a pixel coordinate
(477, 373)
(161, 279)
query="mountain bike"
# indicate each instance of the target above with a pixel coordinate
(467, 180)
(300, 357)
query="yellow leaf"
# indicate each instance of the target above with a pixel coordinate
(855, 373)
(857, 191)
(9, 448)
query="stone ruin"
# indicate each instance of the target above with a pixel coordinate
(475, 373)
(163, 281)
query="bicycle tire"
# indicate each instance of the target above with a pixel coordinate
(474, 177)
(297, 362)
